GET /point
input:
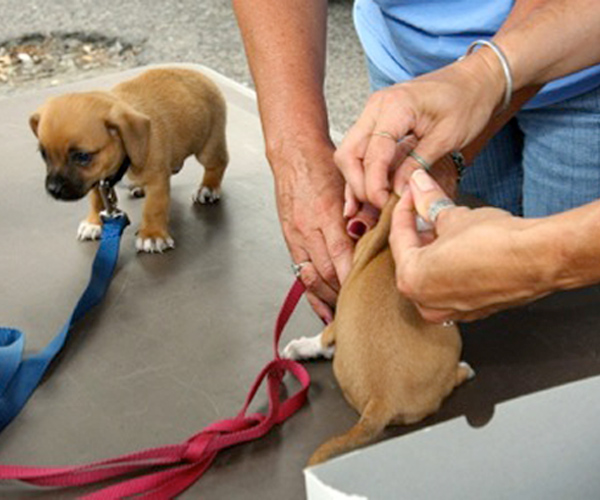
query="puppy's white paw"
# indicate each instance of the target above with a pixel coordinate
(206, 195)
(307, 348)
(467, 366)
(154, 245)
(88, 231)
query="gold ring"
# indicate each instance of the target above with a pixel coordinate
(387, 135)
(420, 160)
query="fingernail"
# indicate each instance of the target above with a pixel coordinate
(357, 228)
(327, 318)
(423, 181)
(346, 209)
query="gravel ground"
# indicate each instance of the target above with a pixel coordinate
(200, 31)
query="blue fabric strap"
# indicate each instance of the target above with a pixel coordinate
(19, 377)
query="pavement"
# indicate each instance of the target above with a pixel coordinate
(194, 31)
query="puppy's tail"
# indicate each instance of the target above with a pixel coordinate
(376, 239)
(371, 424)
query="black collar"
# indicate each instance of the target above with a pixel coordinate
(119, 173)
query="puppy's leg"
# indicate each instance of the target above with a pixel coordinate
(214, 157)
(319, 346)
(153, 235)
(91, 227)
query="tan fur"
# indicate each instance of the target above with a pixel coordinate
(392, 366)
(158, 119)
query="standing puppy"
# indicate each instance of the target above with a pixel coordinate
(145, 127)
(392, 366)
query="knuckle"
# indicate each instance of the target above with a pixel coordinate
(376, 97)
(328, 272)
(310, 278)
(373, 190)
(373, 163)
(330, 276)
(444, 143)
(340, 247)
(403, 286)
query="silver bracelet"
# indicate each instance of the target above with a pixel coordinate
(505, 67)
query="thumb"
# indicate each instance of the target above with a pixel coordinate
(429, 198)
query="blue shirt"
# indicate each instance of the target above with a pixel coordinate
(407, 38)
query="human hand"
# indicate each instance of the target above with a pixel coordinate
(431, 115)
(477, 262)
(309, 191)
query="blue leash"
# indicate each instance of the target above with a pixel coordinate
(20, 377)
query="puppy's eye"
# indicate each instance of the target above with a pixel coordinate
(43, 153)
(81, 158)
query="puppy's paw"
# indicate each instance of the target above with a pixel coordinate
(149, 244)
(206, 195)
(470, 373)
(307, 348)
(88, 231)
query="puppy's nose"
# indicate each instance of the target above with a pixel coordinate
(61, 188)
(55, 185)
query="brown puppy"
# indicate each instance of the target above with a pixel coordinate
(392, 366)
(148, 125)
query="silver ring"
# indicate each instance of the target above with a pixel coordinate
(448, 323)
(437, 207)
(387, 135)
(297, 268)
(420, 160)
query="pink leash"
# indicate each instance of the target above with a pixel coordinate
(185, 462)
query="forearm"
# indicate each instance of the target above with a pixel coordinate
(542, 40)
(570, 242)
(553, 39)
(285, 44)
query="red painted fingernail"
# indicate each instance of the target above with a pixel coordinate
(357, 228)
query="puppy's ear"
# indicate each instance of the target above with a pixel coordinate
(34, 121)
(134, 130)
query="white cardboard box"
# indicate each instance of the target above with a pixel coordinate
(543, 446)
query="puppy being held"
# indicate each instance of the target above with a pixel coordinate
(393, 366)
(145, 127)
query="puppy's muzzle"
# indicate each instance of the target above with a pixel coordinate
(63, 188)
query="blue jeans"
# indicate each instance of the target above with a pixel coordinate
(543, 161)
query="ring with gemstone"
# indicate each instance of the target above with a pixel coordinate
(297, 268)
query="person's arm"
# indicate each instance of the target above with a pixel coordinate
(446, 109)
(554, 38)
(485, 260)
(285, 42)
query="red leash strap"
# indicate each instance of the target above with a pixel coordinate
(183, 464)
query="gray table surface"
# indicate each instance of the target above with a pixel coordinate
(181, 336)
